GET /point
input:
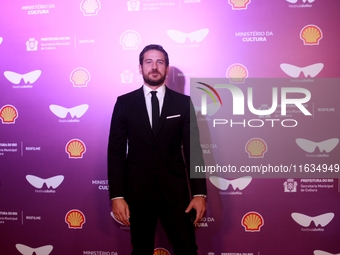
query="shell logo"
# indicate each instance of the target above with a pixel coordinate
(161, 251)
(130, 40)
(8, 114)
(239, 4)
(75, 148)
(75, 219)
(237, 73)
(311, 35)
(256, 147)
(252, 222)
(80, 77)
(90, 7)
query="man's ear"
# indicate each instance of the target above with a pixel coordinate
(140, 69)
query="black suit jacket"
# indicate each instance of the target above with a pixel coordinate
(141, 164)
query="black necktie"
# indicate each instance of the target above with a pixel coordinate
(155, 110)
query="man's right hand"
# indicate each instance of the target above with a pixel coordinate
(121, 210)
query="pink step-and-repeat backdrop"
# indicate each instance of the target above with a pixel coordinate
(63, 64)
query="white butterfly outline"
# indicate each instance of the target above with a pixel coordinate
(181, 37)
(26, 250)
(305, 220)
(62, 112)
(310, 146)
(38, 182)
(294, 71)
(15, 78)
(223, 184)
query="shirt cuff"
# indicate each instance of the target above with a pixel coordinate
(200, 195)
(116, 198)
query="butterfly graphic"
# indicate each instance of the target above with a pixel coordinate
(181, 37)
(223, 184)
(309, 146)
(62, 112)
(305, 220)
(38, 182)
(30, 77)
(26, 250)
(294, 71)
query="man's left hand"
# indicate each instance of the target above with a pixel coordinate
(199, 204)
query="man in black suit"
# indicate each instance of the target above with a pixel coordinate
(147, 174)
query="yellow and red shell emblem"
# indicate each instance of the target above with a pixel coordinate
(8, 114)
(75, 148)
(239, 4)
(256, 148)
(237, 73)
(311, 35)
(252, 221)
(161, 251)
(75, 219)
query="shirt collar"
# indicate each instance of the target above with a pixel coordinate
(160, 90)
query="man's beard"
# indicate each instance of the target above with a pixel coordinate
(151, 82)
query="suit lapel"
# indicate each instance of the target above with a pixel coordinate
(140, 101)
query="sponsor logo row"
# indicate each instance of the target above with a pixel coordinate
(92, 7)
(47, 249)
(9, 113)
(315, 252)
(227, 186)
(251, 221)
(75, 148)
(310, 35)
(236, 186)
(257, 147)
(237, 73)
(79, 78)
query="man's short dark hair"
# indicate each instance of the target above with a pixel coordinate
(154, 47)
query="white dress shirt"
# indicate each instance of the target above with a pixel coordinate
(160, 95)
